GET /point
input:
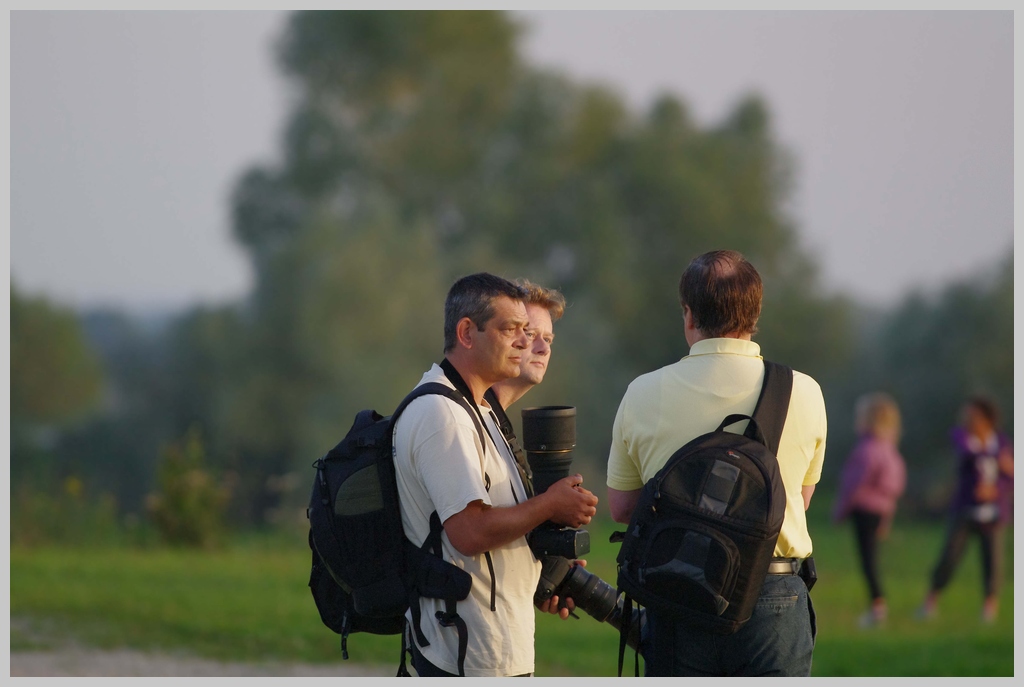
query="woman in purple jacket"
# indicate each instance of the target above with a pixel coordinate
(873, 478)
(982, 503)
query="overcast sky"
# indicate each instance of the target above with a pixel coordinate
(128, 131)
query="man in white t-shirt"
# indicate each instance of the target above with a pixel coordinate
(476, 489)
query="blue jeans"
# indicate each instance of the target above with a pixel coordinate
(778, 640)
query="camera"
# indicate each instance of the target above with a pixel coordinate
(549, 437)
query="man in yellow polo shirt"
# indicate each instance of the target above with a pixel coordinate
(720, 293)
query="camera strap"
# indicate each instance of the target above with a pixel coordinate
(624, 630)
(511, 453)
(505, 425)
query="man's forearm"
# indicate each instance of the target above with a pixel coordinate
(480, 527)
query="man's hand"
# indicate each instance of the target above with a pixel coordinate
(574, 506)
(551, 605)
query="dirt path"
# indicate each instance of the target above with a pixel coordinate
(85, 662)
(45, 651)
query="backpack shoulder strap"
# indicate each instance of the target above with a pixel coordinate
(769, 416)
(441, 390)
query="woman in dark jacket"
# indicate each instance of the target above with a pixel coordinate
(982, 503)
(873, 479)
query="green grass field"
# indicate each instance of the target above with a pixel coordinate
(251, 602)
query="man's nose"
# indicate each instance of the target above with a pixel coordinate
(541, 347)
(521, 341)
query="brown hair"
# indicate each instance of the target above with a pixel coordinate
(723, 292)
(549, 299)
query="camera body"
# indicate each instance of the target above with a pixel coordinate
(549, 437)
(558, 541)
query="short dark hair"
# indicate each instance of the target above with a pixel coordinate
(723, 292)
(473, 296)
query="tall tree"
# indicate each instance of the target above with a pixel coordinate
(421, 148)
(56, 379)
(55, 375)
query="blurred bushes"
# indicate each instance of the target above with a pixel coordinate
(69, 515)
(188, 507)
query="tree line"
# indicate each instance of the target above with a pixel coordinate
(421, 147)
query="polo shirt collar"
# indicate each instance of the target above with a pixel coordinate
(725, 345)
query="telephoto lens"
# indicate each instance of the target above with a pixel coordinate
(549, 437)
(601, 602)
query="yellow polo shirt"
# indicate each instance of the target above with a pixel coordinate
(664, 409)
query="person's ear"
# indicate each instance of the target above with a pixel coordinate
(464, 332)
(687, 317)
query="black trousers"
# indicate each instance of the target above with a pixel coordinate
(865, 528)
(960, 530)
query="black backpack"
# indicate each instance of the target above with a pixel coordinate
(365, 573)
(705, 526)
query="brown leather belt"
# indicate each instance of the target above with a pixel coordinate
(785, 566)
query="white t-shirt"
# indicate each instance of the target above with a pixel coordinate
(439, 467)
